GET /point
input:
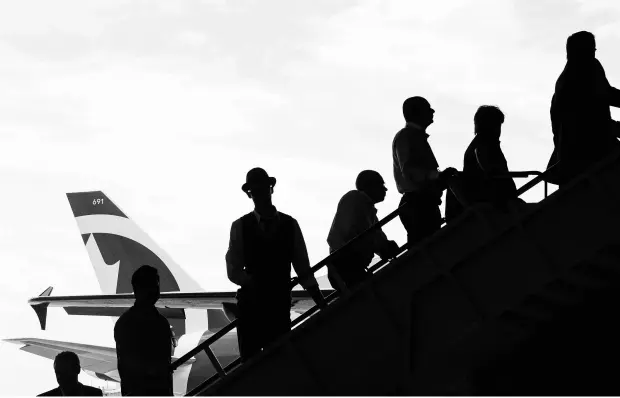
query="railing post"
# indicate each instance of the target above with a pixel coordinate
(214, 361)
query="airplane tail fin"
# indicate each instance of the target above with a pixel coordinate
(117, 246)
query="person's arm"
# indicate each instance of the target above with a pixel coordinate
(613, 94)
(377, 238)
(489, 162)
(234, 256)
(405, 155)
(493, 163)
(301, 264)
(614, 97)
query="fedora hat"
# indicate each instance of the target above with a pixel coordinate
(257, 176)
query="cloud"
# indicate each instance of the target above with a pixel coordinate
(166, 105)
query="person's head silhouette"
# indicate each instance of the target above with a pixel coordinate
(259, 186)
(371, 183)
(581, 46)
(67, 369)
(488, 121)
(145, 283)
(418, 110)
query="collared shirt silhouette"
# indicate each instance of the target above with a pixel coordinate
(416, 172)
(411, 147)
(356, 213)
(144, 340)
(268, 226)
(583, 130)
(263, 245)
(67, 368)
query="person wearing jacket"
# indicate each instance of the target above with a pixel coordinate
(356, 213)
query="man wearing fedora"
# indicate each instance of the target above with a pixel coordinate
(263, 244)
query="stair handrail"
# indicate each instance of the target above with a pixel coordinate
(297, 280)
(294, 282)
(539, 176)
(534, 181)
(205, 345)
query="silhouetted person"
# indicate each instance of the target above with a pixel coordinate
(67, 369)
(143, 340)
(356, 213)
(417, 173)
(484, 163)
(263, 244)
(583, 130)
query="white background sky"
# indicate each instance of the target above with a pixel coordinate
(165, 105)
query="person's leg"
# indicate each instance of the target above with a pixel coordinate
(407, 216)
(427, 219)
(277, 321)
(421, 218)
(248, 328)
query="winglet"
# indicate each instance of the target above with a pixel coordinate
(217, 319)
(41, 309)
(230, 310)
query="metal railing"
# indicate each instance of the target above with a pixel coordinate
(206, 345)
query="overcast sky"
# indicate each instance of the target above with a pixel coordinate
(165, 105)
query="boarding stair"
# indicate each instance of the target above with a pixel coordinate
(458, 313)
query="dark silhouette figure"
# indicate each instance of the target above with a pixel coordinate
(356, 213)
(416, 172)
(484, 166)
(67, 368)
(263, 244)
(484, 178)
(144, 340)
(583, 130)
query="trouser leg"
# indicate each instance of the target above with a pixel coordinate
(421, 217)
(277, 323)
(261, 321)
(248, 329)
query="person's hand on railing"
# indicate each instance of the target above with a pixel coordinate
(390, 250)
(448, 173)
(445, 176)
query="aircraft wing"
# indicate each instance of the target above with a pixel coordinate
(94, 358)
(97, 359)
(171, 304)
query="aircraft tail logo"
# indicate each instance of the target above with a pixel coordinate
(117, 246)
